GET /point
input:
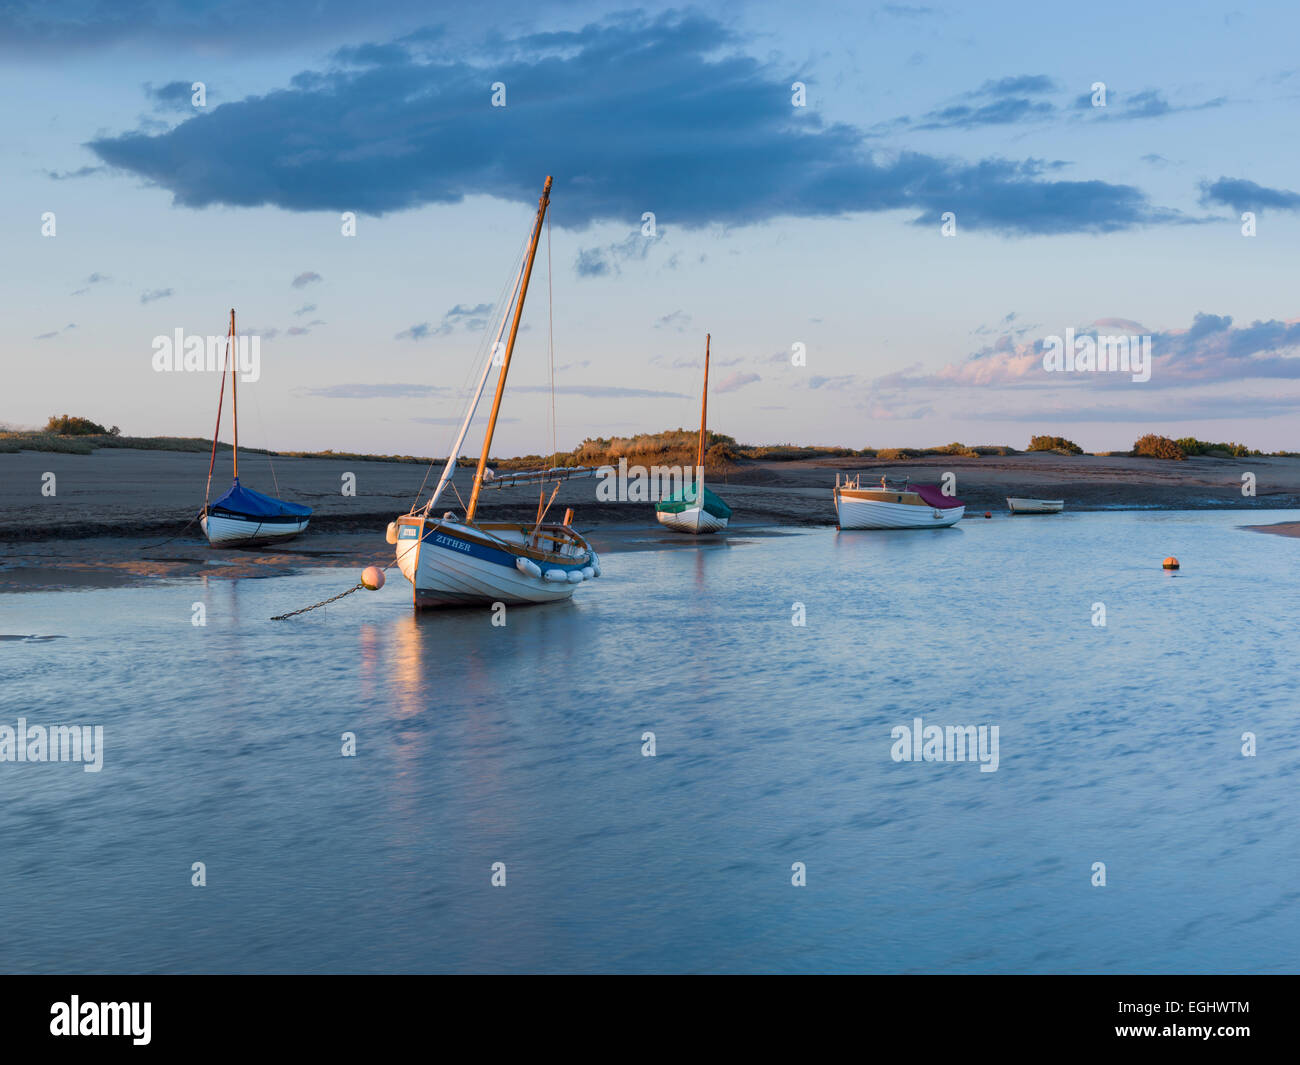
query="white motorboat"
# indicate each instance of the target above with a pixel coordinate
(894, 505)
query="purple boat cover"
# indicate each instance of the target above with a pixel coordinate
(931, 494)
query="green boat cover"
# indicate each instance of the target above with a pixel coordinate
(677, 503)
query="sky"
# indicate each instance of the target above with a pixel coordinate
(880, 213)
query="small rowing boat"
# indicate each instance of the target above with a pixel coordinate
(894, 505)
(1035, 506)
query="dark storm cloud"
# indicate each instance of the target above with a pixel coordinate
(633, 114)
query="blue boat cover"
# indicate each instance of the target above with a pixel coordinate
(241, 500)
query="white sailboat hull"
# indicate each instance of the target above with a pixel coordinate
(226, 531)
(1035, 506)
(450, 566)
(696, 520)
(876, 514)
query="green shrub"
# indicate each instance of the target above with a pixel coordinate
(1055, 443)
(66, 425)
(1191, 446)
(1153, 446)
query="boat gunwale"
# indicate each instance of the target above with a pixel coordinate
(902, 499)
(484, 539)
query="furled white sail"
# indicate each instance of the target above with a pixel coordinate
(452, 458)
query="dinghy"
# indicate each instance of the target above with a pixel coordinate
(1035, 506)
(687, 512)
(458, 561)
(897, 505)
(693, 508)
(243, 517)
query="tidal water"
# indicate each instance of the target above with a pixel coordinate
(523, 745)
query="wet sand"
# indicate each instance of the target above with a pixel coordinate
(119, 516)
(1281, 528)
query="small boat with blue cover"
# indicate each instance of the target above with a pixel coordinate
(243, 517)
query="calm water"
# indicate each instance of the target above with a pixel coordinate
(523, 745)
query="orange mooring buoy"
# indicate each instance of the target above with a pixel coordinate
(988, 513)
(1171, 563)
(372, 578)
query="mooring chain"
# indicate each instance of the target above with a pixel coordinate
(150, 547)
(315, 606)
(372, 579)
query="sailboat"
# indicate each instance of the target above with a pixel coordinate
(696, 509)
(452, 561)
(243, 517)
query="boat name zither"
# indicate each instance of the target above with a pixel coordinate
(200, 354)
(452, 542)
(637, 484)
(951, 743)
(53, 743)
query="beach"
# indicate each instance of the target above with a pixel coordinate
(120, 516)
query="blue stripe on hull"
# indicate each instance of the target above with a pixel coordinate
(449, 541)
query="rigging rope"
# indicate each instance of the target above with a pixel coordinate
(261, 425)
(221, 398)
(474, 368)
(550, 343)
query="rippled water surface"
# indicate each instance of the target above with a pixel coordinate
(522, 744)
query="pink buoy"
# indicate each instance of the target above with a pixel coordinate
(372, 578)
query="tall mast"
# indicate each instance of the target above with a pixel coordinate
(234, 386)
(704, 408)
(450, 468)
(510, 348)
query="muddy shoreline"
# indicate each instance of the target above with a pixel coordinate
(120, 516)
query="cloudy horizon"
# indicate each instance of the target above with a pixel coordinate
(882, 217)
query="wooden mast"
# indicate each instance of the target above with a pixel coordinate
(510, 348)
(234, 385)
(216, 433)
(704, 412)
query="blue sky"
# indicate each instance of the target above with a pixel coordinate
(776, 225)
